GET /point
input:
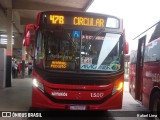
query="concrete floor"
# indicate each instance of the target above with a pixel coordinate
(17, 97)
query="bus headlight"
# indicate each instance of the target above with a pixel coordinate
(38, 84)
(35, 82)
(118, 86)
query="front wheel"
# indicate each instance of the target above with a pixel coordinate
(155, 105)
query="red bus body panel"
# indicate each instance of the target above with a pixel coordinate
(151, 79)
(76, 92)
(144, 84)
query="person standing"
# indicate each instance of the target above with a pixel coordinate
(14, 68)
(19, 67)
(30, 68)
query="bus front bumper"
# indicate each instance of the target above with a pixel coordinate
(41, 100)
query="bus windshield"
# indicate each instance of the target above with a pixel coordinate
(73, 50)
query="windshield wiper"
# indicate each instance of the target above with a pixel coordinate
(98, 33)
(94, 37)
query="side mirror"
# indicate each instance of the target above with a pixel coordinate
(126, 47)
(28, 28)
(26, 38)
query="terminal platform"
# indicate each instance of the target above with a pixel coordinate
(17, 97)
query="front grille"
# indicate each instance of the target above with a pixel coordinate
(75, 78)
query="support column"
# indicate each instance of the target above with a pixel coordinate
(9, 48)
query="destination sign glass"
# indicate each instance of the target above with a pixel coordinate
(83, 19)
(76, 20)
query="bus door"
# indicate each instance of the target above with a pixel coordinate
(139, 69)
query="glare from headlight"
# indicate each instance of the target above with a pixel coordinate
(35, 83)
(117, 87)
(38, 84)
(120, 86)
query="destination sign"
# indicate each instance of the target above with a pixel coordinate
(76, 20)
(58, 64)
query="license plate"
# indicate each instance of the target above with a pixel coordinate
(77, 107)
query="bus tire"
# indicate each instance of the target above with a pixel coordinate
(155, 104)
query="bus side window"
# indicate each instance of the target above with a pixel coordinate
(39, 52)
(152, 52)
(157, 51)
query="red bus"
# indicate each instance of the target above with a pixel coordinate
(144, 71)
(78, 61)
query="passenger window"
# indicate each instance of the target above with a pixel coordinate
(40, 46)
(152, 52)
